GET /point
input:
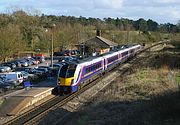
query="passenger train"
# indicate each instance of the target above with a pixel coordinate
(73, 76)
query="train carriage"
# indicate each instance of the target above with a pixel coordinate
(74, 75)
(110, 60)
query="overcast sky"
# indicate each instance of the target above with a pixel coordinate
(162, 11)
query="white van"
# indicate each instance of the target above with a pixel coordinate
(13, 77)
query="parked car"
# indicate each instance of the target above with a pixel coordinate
(2, 69)
(67, 59)
(26, 69)
(6, 86)
(31, 61)
(39, 58)
(1, 80)
(56, 66)
(24, 63)
(67, 53)
(17, 63)
(58, 54)
(25, 75)
(9, 64)
(15, 78)
(47, 67)
(5, 69)
(40, 71)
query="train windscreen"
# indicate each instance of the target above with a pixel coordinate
(63, 71)
(67, 71)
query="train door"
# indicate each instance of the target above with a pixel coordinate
(120, 57)
(105, 63)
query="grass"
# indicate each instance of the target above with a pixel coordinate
(178, 78)
(1, 101)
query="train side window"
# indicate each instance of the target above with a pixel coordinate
(94, 67)
(97, 66)
(112, 58)
(87, 70)
(124, 54)
(91, 68)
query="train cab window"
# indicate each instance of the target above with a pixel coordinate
(70, 73)
(63, 71)
(71, 70)
(67, 71)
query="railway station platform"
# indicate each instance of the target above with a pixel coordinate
(17, 101)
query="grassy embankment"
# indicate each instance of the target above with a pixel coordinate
(150, 95)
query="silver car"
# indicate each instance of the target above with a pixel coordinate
(5, 69)
(24, 63)
(40, 71)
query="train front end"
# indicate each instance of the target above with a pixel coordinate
(66, 78)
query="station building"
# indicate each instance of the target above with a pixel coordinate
(97, 45)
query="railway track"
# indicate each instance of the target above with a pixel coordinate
(40, 111)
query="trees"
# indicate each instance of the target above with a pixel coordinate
(10, 41)
(21, 30)
(143, 25)
(152, 25)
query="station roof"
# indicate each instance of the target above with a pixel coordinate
(100, 42)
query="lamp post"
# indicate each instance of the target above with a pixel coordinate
(52, 43)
